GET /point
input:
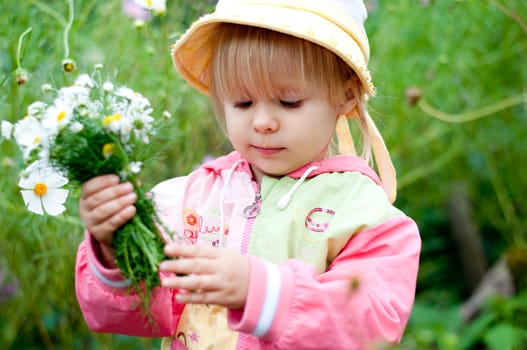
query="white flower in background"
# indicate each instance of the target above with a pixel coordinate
(46, 87)
(37, 109)
(7, 129)
(41, 189)
(158, 6)
(29, 134)
(85, 80)
(74, 95)
(126, 92)
(57, 116)
(107, 86)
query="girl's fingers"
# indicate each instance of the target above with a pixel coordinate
(191, 251)
(188, 266)
(190, 282)
(108, 194)
(104, 230)
(98, 183)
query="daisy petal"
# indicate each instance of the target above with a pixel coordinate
(32, 201)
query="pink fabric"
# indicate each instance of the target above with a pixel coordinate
(113, 310)
(313, 309)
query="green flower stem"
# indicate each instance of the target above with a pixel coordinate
(71, 17)
(144, 244)
(19, 47)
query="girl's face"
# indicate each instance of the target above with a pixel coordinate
(282, 133)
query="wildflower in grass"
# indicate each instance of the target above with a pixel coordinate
(42, 189)
(157, 6)
(133, 10)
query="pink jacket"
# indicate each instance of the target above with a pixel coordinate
(333, 265)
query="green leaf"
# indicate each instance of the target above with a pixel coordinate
(505, 337)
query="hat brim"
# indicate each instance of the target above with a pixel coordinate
(193, 51)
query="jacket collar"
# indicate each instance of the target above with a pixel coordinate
(334, 164)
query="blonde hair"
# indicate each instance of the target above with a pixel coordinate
(257, 59)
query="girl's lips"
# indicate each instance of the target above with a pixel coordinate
(268, 151)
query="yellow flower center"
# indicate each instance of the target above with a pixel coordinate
(108, 150)
(149, 2)
(37, 140)
(61, 116)
(111, 118)
(40, 189)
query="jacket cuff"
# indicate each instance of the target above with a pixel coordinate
(109, 277)
(268, 299)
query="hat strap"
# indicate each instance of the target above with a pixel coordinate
(382, 159)
(380, 152)
(345, 140)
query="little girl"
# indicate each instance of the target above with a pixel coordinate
(284, 244)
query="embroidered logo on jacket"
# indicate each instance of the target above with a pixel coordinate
(194, 228)
(317, 220)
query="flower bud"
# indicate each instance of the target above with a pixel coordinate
(68, 65)
(413, 95)
(21, 76)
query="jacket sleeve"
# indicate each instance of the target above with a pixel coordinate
(108, 305)
(365, 296)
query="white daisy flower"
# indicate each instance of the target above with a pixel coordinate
(57, 116)
(41, 189)
(118, 124)
(7, 129)
(29, 134)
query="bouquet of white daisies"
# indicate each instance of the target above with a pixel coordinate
(93, 128)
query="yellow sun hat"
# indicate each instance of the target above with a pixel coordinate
(337, 25)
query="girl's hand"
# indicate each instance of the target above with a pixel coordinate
(212, 275)
(105, 205)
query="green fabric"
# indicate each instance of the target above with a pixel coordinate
(357, 202)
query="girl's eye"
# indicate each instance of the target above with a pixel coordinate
(243, 104)
(291, 104)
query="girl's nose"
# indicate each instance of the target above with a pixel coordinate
(264, 120)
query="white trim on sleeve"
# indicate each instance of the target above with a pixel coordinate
(114, 284)
(272, 298)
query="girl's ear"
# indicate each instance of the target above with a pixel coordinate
(348, 106)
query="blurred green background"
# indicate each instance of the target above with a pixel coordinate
(452, 106)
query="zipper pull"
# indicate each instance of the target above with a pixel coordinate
(252, 211)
